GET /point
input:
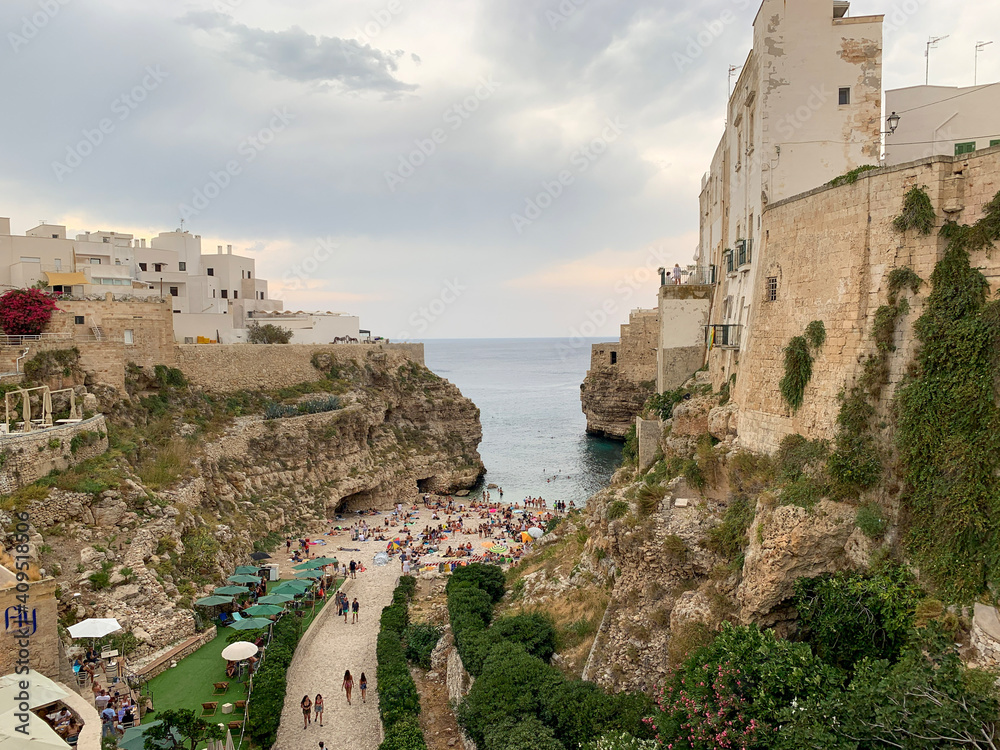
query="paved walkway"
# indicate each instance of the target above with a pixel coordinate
(331, 646)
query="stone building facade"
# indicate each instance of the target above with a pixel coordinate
(622, 376)
(826, 255)
(41, 613)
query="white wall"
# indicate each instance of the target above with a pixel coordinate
(947, 115)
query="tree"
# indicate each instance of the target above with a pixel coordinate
(268, 334)
(180, 726)
(25, 312)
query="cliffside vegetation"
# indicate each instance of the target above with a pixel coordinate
(799, 361)
(949, 422)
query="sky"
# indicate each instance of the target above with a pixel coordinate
(442, 168)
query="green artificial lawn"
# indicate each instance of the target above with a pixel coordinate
(191, 682)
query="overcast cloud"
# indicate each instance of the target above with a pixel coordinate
(407, 134)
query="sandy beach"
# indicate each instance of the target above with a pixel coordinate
(330, 646)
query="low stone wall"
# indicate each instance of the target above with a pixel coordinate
(30, 456)
(160, 664)
(235, 367)
(985, 636)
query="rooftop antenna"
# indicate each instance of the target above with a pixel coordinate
(932, 43)
(182, 225)
(979, 48)
(732, 69)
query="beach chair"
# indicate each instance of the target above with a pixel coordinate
(224, 618)
(208, 709)
(220, 688)
(237, 617)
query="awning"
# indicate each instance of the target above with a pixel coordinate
(65, 279)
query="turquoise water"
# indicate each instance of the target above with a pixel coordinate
(528, 393)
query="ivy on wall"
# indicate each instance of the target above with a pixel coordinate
(949, 422)
(798, 363)
(918, 213)
(856, 463)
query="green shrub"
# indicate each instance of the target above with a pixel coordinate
(816, 334)
(871, 521)
(918, 212)
(630, 452)
(404, 735)
(269, 682)
(421, 639)
(617, 509)
(489, 578)
(729, 538)
(847, 617)
(798, 372)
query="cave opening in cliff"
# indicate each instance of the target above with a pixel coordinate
(364, 500)
(426, 485)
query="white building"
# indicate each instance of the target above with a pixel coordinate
(212, 295)
(805, 109)
(942, 121)
(312, 327)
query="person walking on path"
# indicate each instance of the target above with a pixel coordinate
(306, 710)
(363, 684)
(348, 685)
(353, 568)
(345, 605)
(354, 607)
(318, 709)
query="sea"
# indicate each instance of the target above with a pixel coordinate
(534, 431)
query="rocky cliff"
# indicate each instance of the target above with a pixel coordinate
(612, 401)
(196, 480)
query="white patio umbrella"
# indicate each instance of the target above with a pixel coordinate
(41, 736)
(536, 532)
(94, 627)
(239, 650)
(229, 740)
(43, 691)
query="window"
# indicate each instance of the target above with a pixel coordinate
(58, 264)
(142, 267)
(261, 295)
(95, 261)
(182, 266)
(236, 294)
(211, 271)
(614, 358)
(965, 148)
(772, 288)
(177, 311)
(129, 336)
(995, 142)
(78, 319)
(157, 267)
(225, 294)
(55, 236)
(844, 95)
(27, 259)
(106, 240)
(249, 275)
(213, 294)
(173, 291)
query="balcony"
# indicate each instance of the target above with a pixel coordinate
(744, 254)
(723, 336)
(703, 275)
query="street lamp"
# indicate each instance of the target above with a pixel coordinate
(891, 122)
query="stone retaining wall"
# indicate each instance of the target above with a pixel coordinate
(160, 664)
(30, 456)
(235, 367)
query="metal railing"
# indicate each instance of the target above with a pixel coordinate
(6, 340)
(704, 275)
(723, 336)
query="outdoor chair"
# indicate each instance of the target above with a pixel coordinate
(220, 688)
(224, 618)
(208, 709)
(237, 616)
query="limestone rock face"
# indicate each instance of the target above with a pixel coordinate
(612, 401)
(723, 422)
(791, 543)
